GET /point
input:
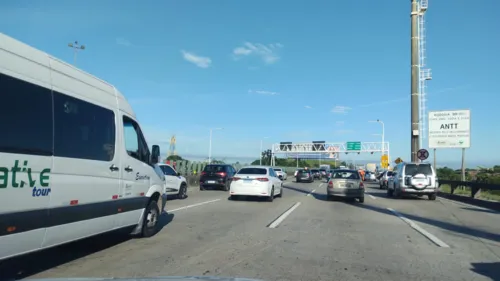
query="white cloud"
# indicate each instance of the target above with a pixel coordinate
(199, 61)
(340, 109)
(261, 92)
(268, 53)
(308, 107)
(123, 42)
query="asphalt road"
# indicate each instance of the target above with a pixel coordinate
(207, 234)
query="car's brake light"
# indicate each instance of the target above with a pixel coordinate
(236, 178)
(330, 184)
(222, 174)
(262, 179)
(203, 173)
(361, 185)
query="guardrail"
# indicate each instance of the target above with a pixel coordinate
(473, 190)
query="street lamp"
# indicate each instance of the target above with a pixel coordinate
(261, 144)
(210, 144)
(76, 47)
(383, 134)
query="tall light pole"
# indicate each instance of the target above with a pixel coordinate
(383, 134)
(210, 145)
(261, 144)
(76, 47)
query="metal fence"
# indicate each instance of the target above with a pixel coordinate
(191, 168)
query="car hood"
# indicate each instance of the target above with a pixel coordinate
(167, 278)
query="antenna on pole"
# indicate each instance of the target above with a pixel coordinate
(424, 73)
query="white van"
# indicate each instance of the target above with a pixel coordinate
(73, 160)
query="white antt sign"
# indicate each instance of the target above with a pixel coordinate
(449, 129)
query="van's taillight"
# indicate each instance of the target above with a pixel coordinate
(262, 179)
(222, 174)
(236, 178)
(361, 185)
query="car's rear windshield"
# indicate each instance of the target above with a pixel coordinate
(351, 175)
(215, 168)
(305, 171)
(253, 171)
(323, 170)
(314, 170)
(277, 169)
(414, 169)
(389, 173)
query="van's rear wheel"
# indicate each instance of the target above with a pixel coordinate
(150, 221)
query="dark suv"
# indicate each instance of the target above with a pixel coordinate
(217, 176)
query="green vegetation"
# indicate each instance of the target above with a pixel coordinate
(482, 175)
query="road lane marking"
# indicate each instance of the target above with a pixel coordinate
(422, 231)
(312, 191)
(191, 206)
(371, 196)
(283, 216)
(320, 185)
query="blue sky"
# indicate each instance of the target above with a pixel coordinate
(287, 70)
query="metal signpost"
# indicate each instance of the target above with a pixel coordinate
(450, 129)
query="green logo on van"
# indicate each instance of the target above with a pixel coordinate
(9, 176)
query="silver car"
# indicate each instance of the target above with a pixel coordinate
(346, 183)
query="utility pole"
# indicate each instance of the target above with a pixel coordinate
(415, 75)
(76, 47)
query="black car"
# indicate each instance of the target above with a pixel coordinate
(316, 173)
(304, 176)
(217, 176)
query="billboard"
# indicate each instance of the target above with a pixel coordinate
(449, 129)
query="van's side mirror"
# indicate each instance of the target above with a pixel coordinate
(178, 174)
(155, 155)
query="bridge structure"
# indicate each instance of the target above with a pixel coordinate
(326, 150)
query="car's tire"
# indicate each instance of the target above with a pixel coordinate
(361, 199)
(182, 192)
(202, 188)
(150, 220)
(390, 192)
(271, 198)
(432, 196)
(227, 186)
(281, 192)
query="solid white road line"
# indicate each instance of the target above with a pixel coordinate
(283, 216)
(191, 206)
(371, 196)
(312, 191)
(422, 231)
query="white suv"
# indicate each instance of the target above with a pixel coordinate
(175, 184)
(413, 179)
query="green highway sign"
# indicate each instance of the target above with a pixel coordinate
(354, 145)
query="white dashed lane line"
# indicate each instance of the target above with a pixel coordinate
(312, 191)
(283, 216)
(191, 206)
(422, 231)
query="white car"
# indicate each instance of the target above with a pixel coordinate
(281, 173)
(259, 181)
(175, 184)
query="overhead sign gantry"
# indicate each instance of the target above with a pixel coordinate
(324, 150)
